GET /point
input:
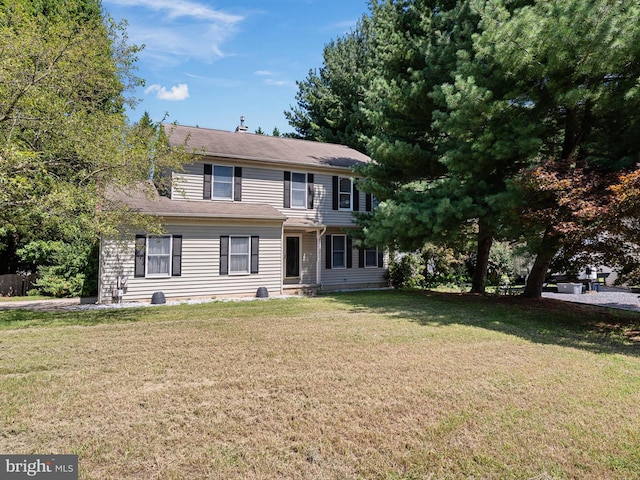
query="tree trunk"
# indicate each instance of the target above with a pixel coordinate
(548, 248)
(485, 240)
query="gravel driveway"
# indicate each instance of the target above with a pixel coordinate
(606, 297)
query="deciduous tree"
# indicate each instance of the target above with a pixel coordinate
(64, 74)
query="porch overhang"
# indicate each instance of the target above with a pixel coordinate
(303, 224)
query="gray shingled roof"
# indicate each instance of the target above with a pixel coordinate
(249, 146)
(139, 201)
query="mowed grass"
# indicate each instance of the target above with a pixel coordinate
(369, 385)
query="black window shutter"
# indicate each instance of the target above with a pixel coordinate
(335, 193)
(310, 191)
(224, 255)
(349, 252)
(255, 249)
(356, 198)
(368, 202)
(141, 253)
(287, 189)
(208, 173)
(237, 184)
(329, 252)
(380, 257)
(176, 256)
(361, 252)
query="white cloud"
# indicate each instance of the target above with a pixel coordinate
(181, 8)
(174, 94)
(272, 79)
(279, 83)
(173, 31)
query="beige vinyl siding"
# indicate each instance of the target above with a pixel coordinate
(266, 186)
(188, 184)
(263, 185)
(200, 265)
(309, 258)
(354, 277)
(324, 203)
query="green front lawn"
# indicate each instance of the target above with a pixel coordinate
(365, 385)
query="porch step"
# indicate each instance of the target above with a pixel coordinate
(299, 289)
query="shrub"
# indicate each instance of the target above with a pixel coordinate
(444, 265)
(62, 269)
(500, 268)
(405, 271)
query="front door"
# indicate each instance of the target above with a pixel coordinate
(292, 257)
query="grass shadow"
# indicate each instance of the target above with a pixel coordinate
(547, 321)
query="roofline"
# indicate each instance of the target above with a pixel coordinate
(270, 161)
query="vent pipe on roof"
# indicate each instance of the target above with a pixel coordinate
(242, 128)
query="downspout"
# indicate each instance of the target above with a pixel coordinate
(282, 266)
(319, 235)
(100, 272)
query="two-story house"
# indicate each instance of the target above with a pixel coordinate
(253, 211)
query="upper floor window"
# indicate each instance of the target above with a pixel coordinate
(299, 190)
(222, 182)
(345, 192)
(371, 202)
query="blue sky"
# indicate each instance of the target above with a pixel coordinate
(206, 63)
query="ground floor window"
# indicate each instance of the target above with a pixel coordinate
(338, 251)
(158, 256)
(239, 254)
(371, 257)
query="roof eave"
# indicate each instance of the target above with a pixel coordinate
(215, 216)
(272, 161)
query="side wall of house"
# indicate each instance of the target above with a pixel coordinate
(200, 264)
(354, 275)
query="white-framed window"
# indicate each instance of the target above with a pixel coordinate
(345, 192)
(158, 262)
(158, 256)
(222, 183)
(339, 251)
(239, 255)
(298, 190)
(371, 257)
